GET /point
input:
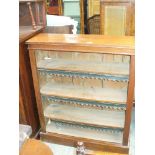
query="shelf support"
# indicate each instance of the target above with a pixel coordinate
(32, 17)
(130, 97)
(37, 13)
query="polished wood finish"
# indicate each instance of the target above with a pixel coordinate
(26, 32)
(82, 16)
(90, 152)
(123, 45)
(129, 101)
(28, 113)
(35, 147)
(129, 15)
(83, 44)
(36, 87)
(93, 144)
(22, 112)
(28, 110)
(60, 6)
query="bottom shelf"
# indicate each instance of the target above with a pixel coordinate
(100, 134)
(89, 144)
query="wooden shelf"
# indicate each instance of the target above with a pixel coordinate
(92, 117)
(89, 144)
(106, 95)
(25, 32)
(84, 104)
(116, 71)
(83, 132)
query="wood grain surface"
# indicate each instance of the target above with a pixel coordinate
(35, 147)
(86, 67)
(85, 133)
(92, 117)
(25, 32)
(117, 42)
(93, 94)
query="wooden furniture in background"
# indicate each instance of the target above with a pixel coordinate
(31, 22)
(35, 147)
(117, 17)
(32, 14)
(93, 24)
(93, 7)
(81, 95)
(59, 29)
(54, 7)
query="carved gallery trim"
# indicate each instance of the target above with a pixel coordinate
(80, 103)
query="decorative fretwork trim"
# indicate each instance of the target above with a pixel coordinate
(86, 104)
(109, 77)
(60, 124)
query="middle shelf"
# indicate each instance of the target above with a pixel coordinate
(86, 116)
(104, 95)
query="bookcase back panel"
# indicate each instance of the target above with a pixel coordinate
(78, 63)
(83, 83)
(77, 56)
(24, 13)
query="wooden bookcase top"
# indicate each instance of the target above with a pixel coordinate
(85, 43)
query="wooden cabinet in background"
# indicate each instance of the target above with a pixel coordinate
(54, 7)
(83, 96)
(32, 21)
(117, 17)
(93, 7)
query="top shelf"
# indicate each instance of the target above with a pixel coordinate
(113, 71)
(123, 45)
